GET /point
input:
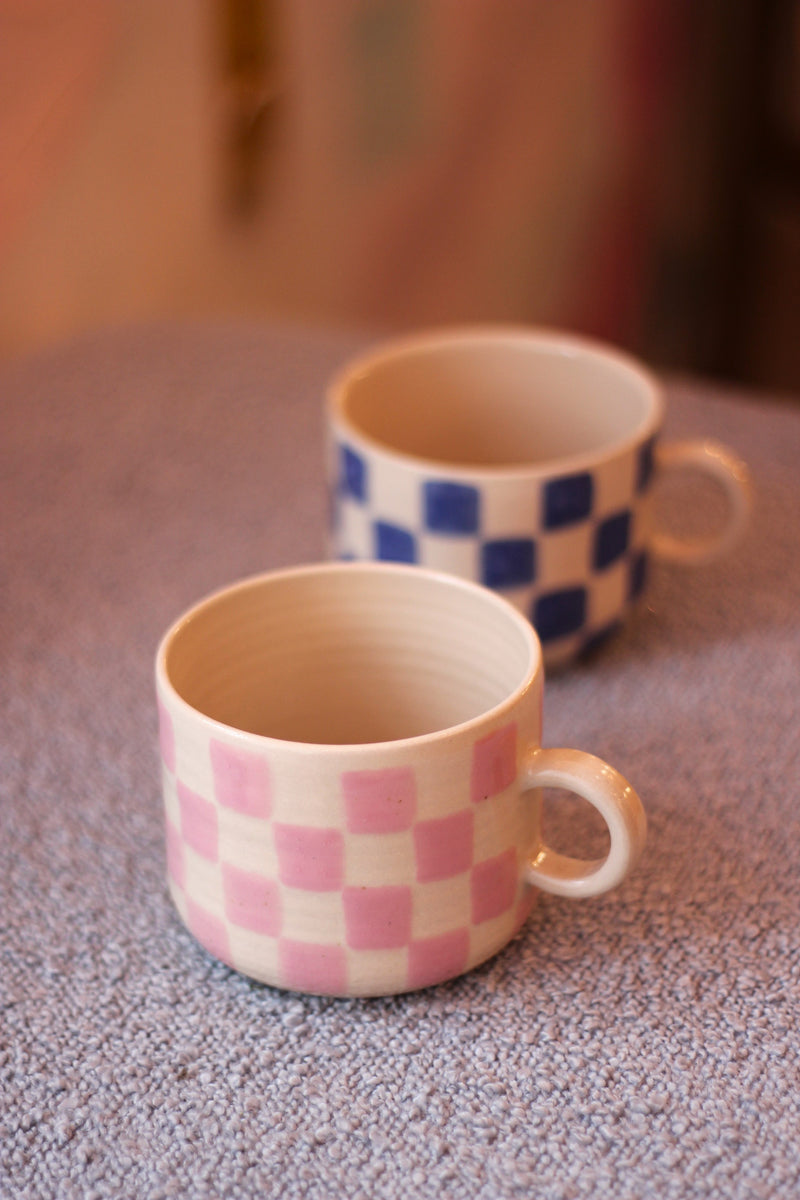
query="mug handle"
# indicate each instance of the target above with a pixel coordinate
(717, 461)
(618, 805)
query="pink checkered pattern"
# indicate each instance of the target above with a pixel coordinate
(385, 886)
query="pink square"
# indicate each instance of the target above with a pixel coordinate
(251, 901)
(494, 886)
(382, 801)
(241, 780)
(308, 858)
(176, 862)
(311, 967)
(494, 763)
(443, 847)
(209, 931)
(166, 737)
(198, 823)
(432, 960)
(377, 918)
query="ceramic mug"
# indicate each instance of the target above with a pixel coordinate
(522, 460)
(351, 774)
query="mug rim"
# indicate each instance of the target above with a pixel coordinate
(532, 670)
(537, 337)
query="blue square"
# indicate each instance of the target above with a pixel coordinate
(568, 500)
(638, 575)
(393, 544)
(558, 614)
(508, 562)
(645, 465)
(352, 474)
(451, 507)
(611, 539)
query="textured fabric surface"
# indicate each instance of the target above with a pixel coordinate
(641, 1044)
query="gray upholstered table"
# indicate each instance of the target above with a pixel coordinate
(642, 1044)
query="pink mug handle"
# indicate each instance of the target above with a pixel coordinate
(618, 805)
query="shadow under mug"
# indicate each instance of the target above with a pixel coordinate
(352, 767)
(523, 460)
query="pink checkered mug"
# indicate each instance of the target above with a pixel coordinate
(352, 767)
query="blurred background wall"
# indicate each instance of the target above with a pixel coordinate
(625, 168)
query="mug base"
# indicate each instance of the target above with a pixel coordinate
(340, 973)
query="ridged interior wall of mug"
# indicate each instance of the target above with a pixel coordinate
(497, 401)
(347, 658)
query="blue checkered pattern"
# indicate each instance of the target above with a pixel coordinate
(568, 551)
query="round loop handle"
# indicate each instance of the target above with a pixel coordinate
(618, 805)
(718, 462)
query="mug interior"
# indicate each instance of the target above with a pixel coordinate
(348, 654)
(497, 399)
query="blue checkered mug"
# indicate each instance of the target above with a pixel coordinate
(521, 459)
